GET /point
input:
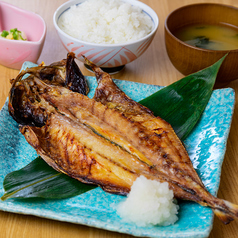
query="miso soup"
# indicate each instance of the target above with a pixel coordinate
(212, 37)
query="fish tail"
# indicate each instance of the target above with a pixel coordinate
(227, 213)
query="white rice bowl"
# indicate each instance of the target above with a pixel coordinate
(105, 22)
(149, 203)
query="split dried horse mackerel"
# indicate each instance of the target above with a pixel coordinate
(109, 140)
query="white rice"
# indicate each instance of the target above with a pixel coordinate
(149, 203)
(105, 21)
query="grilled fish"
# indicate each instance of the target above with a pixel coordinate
(109, 140)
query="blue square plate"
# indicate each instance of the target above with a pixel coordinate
(206, 146)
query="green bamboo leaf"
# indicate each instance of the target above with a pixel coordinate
(182, 103)
(38, 179)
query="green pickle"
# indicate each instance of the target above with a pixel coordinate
(13, 34)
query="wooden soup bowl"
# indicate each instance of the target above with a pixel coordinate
(188, 59)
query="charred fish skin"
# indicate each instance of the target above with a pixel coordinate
(109, 140)
(64, 73)
(75, 80)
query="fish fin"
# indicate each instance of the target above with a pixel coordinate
(227, 212)
(224, 217)
(97, 70)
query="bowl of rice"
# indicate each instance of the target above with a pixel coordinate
(110, 33)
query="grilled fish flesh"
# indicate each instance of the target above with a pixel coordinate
(109, 140)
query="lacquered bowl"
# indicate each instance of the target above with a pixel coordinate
(106, 56)
(13, 53)
(188, 59)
